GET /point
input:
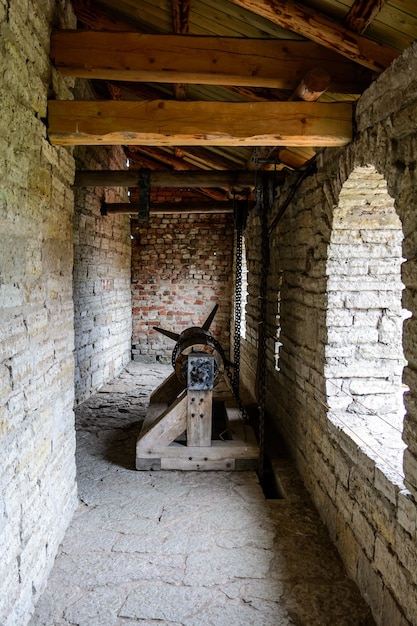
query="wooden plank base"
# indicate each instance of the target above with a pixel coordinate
(240, 453)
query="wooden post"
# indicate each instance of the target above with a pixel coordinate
(200, 383)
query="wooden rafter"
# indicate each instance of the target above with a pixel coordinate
(142, 160)
(200, 60)
(162, 123)
(98, 18)
(180, 25)
(318, 27)
(166, 161)
(206, 158)
(88, 12)
(180, 16)
(362, 13)
(163, 159)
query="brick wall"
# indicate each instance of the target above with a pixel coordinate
(37, 443)
(323, 278)
(181, 268)
(102, 296)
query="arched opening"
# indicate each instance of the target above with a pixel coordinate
(364, 352)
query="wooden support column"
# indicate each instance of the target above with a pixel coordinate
(200, 384)
(199, 412)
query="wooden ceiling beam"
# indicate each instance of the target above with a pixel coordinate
(323, 30)
(129, 178)
(227, 61)
(362, 13)
(171, 123)
(162, 208)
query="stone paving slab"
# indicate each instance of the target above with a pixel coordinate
(186, 548)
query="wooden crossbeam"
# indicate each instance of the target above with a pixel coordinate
(362, 13)
(170, 123)
(316, 26)
(170, 208)
(129, 178)
(200, 60)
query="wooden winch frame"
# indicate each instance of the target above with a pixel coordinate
(177, 431)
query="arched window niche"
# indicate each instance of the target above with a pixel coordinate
(364, 352)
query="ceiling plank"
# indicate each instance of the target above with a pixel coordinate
(129, 178)
(362, 13)
(225, 61)
(164, 159)
(170, 123)
(319, 28)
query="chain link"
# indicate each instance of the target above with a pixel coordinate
(238, 306)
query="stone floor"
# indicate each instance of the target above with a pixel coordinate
(186, 548)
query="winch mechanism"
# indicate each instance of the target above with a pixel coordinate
(177, 431)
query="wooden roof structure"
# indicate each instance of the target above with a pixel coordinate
(198, 87)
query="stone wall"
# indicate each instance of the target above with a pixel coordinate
(181, 268)
(102, 296)
(37, 443)
(369, 508)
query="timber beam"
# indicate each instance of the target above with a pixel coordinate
(170, 123)
(227, 61)
(316, 26)
(239, 179)
(172, 208)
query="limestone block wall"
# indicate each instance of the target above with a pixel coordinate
(181, 268)
(102, 295)
(37, 443)
(339, 325)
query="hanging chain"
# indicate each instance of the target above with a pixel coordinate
(234, 377)
(238, 305)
